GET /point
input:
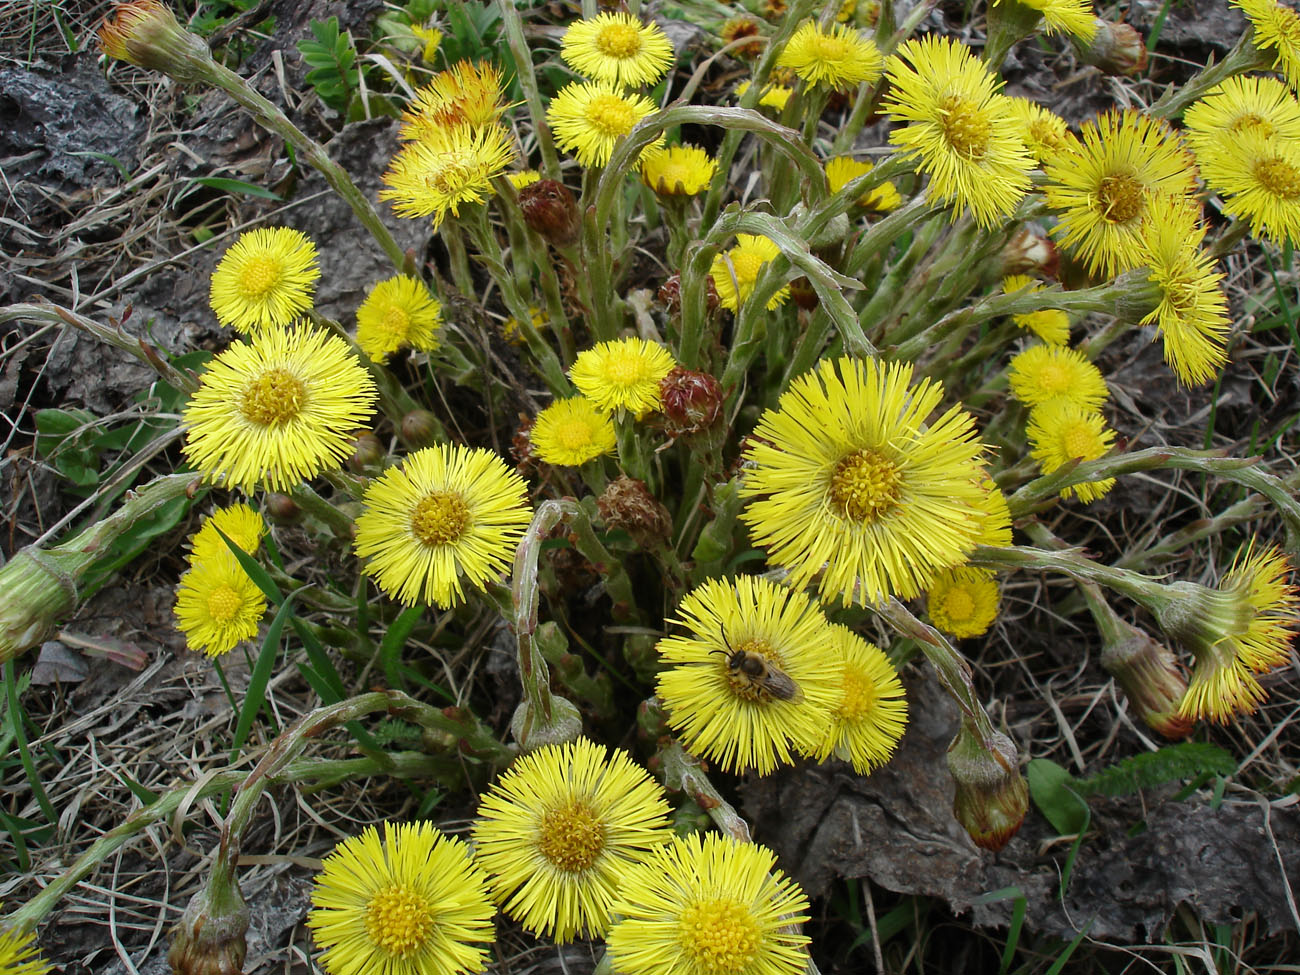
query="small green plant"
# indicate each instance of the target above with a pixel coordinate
(333, 60)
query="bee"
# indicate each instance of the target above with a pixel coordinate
(760, 673)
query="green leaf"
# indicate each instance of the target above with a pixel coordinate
(1173, 763)
(235, 186)
(1054, 792)
(135, 540)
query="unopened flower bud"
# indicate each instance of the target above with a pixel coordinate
(802, 294)
(39, 589)
(1117, 49)
(532, 732)
(549, 209)
(1030, 251)
(627, 503)
(420, 428)
(367, 453)
(209, 939)
(1153, 681)
(651, 721)
(146, 33)
(692, 401)
(282, 509)
(992, 796)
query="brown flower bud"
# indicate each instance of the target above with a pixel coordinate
(1153, 681)
(992, 796)
(626, 503)
(802, 294)
(692, 401)
(1116, 49)
(367, 453)
(521, 447)
(420, 428)
(209, 938)
(670, 295)
(146, 33)
(549, 209)
(1030, 251)
(281, 508)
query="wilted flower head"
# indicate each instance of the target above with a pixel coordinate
(627, 503)
(691, 401)
(549, 209)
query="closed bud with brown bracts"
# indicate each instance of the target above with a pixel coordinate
(692, 401)
(1030, 251)
(146, 33)
(367, 454)
(420, 428)
(550, 209)
(992, 796)
(1153, 681)
(627, 504)
(209, 938)
(670, 295)
(1117, 49)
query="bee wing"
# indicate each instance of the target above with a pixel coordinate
(781, 685)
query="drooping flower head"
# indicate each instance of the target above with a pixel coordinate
(146, 33)
(267, 277)
(1244, 626)
(709, 905)
(678, 170)
(838, 56)
(1052, 325)
(1059, 432)
(238, 522)
(736, 272)
(588, 119)
(1048, 373)
(962, 131)
(466, 94)
(854, 485)
(617, 48)
(622, 375)
(410, 903)
(1104, 187)
(751, 685)
(1259, 179)
(572, 431)
(398, 312)
(1192, 317)
(447, 516)
(218, 605)
(277, 410)
(445, 168)
(869, 712)
(558, 832)
(1277, 28)
(963, 602)
(842, 170)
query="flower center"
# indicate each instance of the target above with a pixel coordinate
(619, 41)
(860, 695)
(745, 686)
(1250, 122)
(223, 604)
(571, 837)
(260, 275)
(1279, 177)
(828, 48)
(959, 604)
(1053, 379)
(965, 127)
(275, 396)
(1078, 441)
(625, 370)
(610, 115)
(1122, 198)
(865, 486)
(721, 936)
(456, 171)
(1045, 134)
(398, 920)
(747, 266)
(440, 518)
(395, 321)
(574, 434)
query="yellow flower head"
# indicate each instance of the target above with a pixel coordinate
(1045, 133)
(1052, 325)
(1276, 27)
(1240, 104)
(465, 95)
(277, 410)
(447, 515)
(589, 119)
(963, 602)
(267, 277)
(410, 903)
(746, 721)
(1073, 17)
(962, 131)
(19, 954)
(869, 713)
(1192, 316)
(1244, 626)
(513, 332)
(217, 604)
(444, 168)
(622, 375)
(432, 38)
(838, 56)
(558, 832)
(855, 486)
(617, 48)
(240, 523)
(525, 177)
(572, 431)
(678, 170)
(1259, 179)
(1059, 432)
(736, 272)
(709, 905)
(397, 313)
(1048, 373)
(1104, 187)
(842, 170)
(773, 96)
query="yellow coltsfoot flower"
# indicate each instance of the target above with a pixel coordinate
(240, 523)
(622, 375)
(838, 56)
(589, 119)
(963, 602)
(1061, 431)
(1049, 373)
(735, 272)
(445, 168)
(1275, 27)
(218, 605)
(617, 48)
(1052, 325)
(572, 431)
(678, 170)
(397, 313)
(869, 713)
(267, 277)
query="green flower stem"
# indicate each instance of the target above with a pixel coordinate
(633, 459)
(915, 17)
(811, 342)
(309, 773)
(713, 551)
(864, 104)
(1242, 58)
(614, 577)
(523, 59)
(953, 370)
(1008, 23)
(458, 258)
(881, 234)
(949, 665)
(313, 153)
(1227, 241)
(1139, 588)
(52, 314)
(312, 504)
(683, 772)
(555, 313)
